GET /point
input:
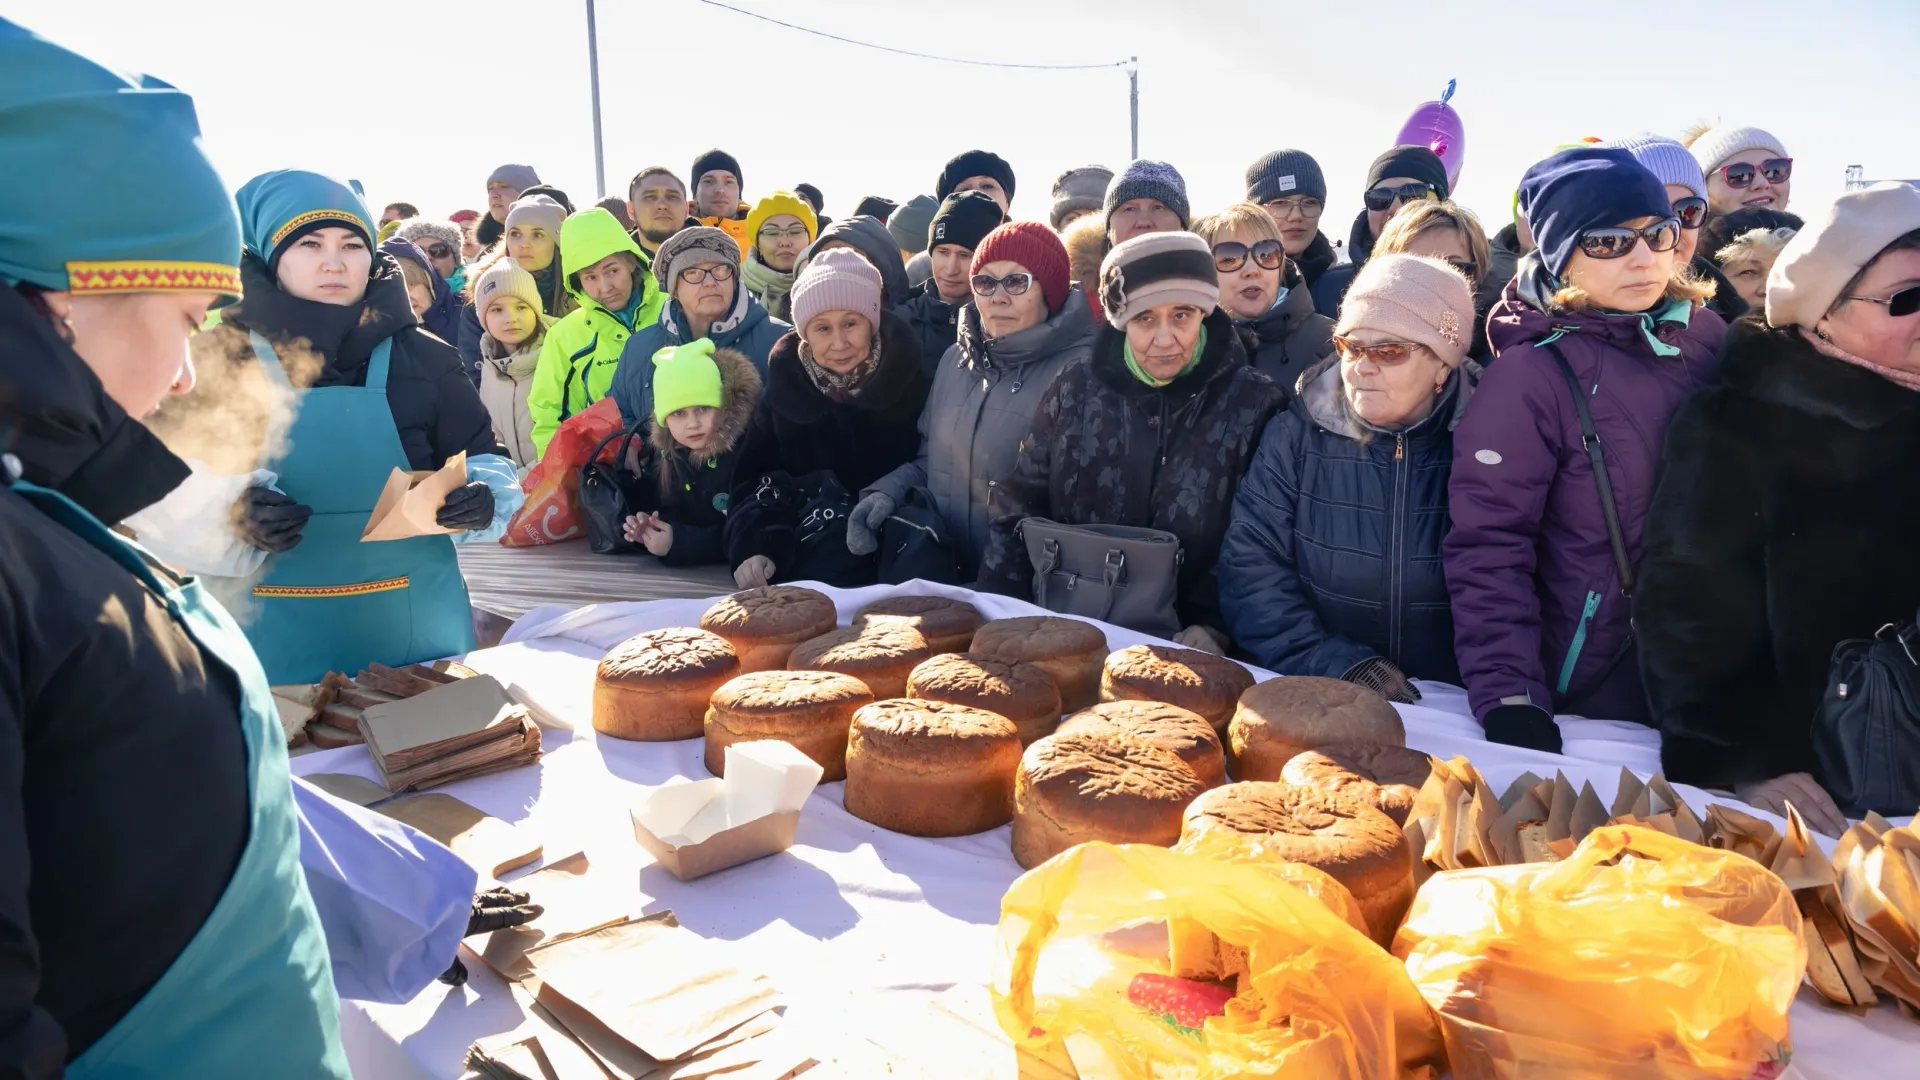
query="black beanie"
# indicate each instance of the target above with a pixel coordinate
(876, 206)
(975, 163)
(553, 193)
(1285, 173)
(716, 159)
(1415, 161)
(964, 218)
(813, 197)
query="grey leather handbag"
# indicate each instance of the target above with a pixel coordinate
(1115, 573)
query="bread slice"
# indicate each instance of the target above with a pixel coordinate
(327, 737)
(294, 715)
(364, 697)
(403, 684)
(343, 716)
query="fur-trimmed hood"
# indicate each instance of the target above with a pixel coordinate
(739, 394)
(1086, 244)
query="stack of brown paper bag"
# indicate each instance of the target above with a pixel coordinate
(454, 731)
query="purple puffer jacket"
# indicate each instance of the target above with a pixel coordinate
(1537, 607)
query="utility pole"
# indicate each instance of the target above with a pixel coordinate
(593, 73)
(1133, 76)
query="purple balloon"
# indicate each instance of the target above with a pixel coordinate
(1436, 126)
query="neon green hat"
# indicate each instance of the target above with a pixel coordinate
(685, 376)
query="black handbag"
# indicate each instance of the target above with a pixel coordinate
(915, 543)
(607, 492)
(803, 527)
(1866, 733)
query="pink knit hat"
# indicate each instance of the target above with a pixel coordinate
(837, 279)
(1414, 298)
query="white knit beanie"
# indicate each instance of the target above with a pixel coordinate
(837, 279)
(505, 278)
(1717, 144)
(1824, 255)
(1414, 298)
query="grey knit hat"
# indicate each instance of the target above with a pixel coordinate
(1143, 179)
(422, 230)
(908, 224)
(1285, 173)
(1084, 188)
(1154, 269)
(1667, 159)
(517, 177)
(702, 243)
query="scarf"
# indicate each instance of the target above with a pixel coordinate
(838, 387)
(764, 281)
(1133, 365)
(1825, 347)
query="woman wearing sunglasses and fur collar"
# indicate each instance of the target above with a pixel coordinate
(1787, 507)
(1540, 599)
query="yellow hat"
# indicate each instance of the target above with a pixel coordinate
(782, 202)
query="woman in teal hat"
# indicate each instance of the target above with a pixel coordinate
(326, 318)
(153, 916)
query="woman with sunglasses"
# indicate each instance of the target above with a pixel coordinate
(1266, 294)
(1398, 178)
(1331, 564)
(1745, 166)
(1787, 508)
(1153, 431)
(1451, 233)
(441, 241)
(1026, 324)
(1539, 562)
(1686, 186)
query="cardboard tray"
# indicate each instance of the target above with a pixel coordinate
(763, 836)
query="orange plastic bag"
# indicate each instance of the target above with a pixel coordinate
(552, 510)
(1083, 976)
(1639, 955)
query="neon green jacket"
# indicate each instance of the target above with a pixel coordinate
(582, 350)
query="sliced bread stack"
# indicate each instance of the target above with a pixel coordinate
(328, 713)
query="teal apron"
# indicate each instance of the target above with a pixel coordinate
(334, 603)
(252, 994)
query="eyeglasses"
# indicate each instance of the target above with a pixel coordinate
(1692, 212)
(1467, 267)
(695, 275)
(1740, 174)
(439, 251)
(1308, 208)
(797, 232)
(1619, 242)
(1900, 304)
(1381, 198)
(985, 285)
(1232, 255)
(1384, 354)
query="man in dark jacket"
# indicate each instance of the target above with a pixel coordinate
(1401, 175)
(933, 310)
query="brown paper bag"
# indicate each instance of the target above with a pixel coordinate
(576, 902)
(408, 504)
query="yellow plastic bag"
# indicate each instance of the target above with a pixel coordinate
(1639, 955)
(1082, 969)
(1226, 845)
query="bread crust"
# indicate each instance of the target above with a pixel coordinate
(1097, 784)
(765, 624)
(654, 687)
(1068, 650)
(1281, 718)
(811, 710)
(929, 768)
(1022, 693)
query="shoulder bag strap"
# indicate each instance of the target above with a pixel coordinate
(1590, 439)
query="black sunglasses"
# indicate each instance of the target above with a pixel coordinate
(1614, 243)
(1740, 174)
(1231, 255)
(1900, 304)
(1381, 198)
(1692, 212)
(1016, 284)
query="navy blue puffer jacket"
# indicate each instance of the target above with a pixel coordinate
(1333, 553)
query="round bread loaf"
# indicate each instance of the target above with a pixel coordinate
(880, 655)
(928, 768)
(1020, 692)
(1097, 784)
(1384, 777)
(1169, 727)
(1356, 845)
(1196, 681)
(948, 625)
(809, 709)
(1283, 717)
(654, 687)
(1068, 650)
(765, 624)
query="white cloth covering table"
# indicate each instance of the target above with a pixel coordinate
(854, 916)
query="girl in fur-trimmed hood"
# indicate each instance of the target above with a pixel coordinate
(703, 400)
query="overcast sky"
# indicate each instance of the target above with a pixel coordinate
(420, 99)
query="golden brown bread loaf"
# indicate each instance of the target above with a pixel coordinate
(1196, 681)
(1384, 777)
(765, 624)
(948, 625)
(1356, 845)
(1167, 726)
(928, 768)
(1281, 718)
(1068, 650)
(811, 710)
(1097, 784)
(654, 687)
(880, 655)
(1020, 692)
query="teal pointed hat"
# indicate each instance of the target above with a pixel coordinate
(109, 189)
(277, 207)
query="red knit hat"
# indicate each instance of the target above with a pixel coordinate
(1033, 245)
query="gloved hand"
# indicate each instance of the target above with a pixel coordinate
(1204, 638)
(1806, 795)
(755, 572)
(1378, 674)
(495, 909)
(469, 506)
(1523, 725)
(268, 520)
(863, 525)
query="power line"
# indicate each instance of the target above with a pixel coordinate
(909, 52)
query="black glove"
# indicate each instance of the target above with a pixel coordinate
(1379, 675)
(467, 507)
(501, 909)
(269, 520)
(1523, 725)
(455, 975)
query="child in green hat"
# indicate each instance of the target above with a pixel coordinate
(703, 400)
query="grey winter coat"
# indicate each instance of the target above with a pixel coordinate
(985, 394)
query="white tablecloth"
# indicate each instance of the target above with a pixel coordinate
(853, 914)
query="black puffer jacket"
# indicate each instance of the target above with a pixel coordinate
(692, 490)
(935, 323)
(1108, 449)
(1292, 337)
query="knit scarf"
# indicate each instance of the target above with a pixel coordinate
(764, 281)
(837, 386)
(1133, 365)
(1908, 379)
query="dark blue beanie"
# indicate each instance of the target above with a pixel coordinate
(1587, 187)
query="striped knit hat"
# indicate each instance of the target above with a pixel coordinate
(1155, 269)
